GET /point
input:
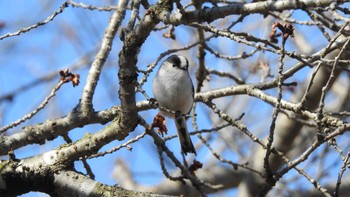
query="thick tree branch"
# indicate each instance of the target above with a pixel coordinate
(96, 67)
(127, 73)
(263, 7)
(50, 129)
(34, 174)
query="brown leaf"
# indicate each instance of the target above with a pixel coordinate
(159, 122)
(67, 76)
(75, 80)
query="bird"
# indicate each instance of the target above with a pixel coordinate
(172, 88)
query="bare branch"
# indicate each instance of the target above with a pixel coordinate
(35, 111)
(47, 20)
(100, 59)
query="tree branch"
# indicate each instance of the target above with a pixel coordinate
(96, 67)
(264, 7)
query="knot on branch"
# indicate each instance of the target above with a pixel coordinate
(161, 6)
(127, 78)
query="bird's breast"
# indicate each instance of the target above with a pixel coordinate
(176, 93)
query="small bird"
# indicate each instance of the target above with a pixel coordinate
(173, 89)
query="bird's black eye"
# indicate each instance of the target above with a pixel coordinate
(175, 60)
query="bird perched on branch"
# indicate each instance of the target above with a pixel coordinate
(173, 89)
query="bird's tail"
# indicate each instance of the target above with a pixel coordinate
(184, 137)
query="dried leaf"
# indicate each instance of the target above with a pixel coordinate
(159, 122)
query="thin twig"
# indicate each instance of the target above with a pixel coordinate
(233, 164)
(328, 85)
(290, 164)
(41, 23)
(319, 21)
(165, 172)
(244, 55)
(198, 184)
(324, 52)
(199, 131)
(276, 110)
(340, 175)
(91, 7)
(31, 114)
(80, 63)
(126, 144)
